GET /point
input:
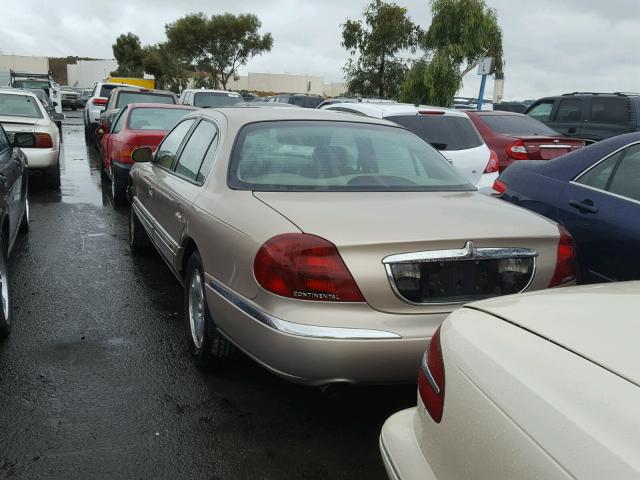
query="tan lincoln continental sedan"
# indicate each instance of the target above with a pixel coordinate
(325, 246)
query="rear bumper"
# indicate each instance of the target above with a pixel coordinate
(41, 158)
(400, 450)
(318, 355)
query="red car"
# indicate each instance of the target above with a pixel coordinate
(514, 136)
(136, 125)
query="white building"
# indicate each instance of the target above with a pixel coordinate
(21, 63)
(286, 83)
(86, 73)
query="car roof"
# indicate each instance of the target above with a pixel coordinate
(250, 114)
(209, 90)
(381, 110)
(180, 106)
(17, 91)
(596, 322)
(489, 113)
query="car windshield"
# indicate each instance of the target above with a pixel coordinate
(448, 131)
(125, 98)
(19, 106)
(155, 118)
(517, 125)
(31, 84)
(338, 156)
(216, 99)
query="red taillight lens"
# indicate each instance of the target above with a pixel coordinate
(305, 267)
(499, 187)
(99, 101)
(492, 165)
(518, 151)
(431, 379)
(565, 271)
(43, 140)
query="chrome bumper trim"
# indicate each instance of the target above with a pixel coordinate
(298, 329)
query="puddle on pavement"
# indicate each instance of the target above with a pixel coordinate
(80, 180)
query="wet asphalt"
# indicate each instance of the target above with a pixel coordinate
(96, 382)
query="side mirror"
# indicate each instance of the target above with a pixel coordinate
(55, 104)
(58, 117)
(24, 139)
(142, 154)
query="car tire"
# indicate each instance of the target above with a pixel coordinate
(138, 238)
(24, 223)
(5, 307)
(208, 347)
(52, 176)
(118, 191)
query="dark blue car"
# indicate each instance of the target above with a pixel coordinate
(595, 194)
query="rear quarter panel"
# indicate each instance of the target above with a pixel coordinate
(519, 406)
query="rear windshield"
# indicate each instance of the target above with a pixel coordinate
(216, 99)
(105, 90)
(337, 156)
(19, 106)
(305, 102)
(27, 84)
(155, 118)
(516, 125)
(450, 132)
(125, 98)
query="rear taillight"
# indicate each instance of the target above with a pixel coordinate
(518, 151)
(492, 165)
(431, 378)
(99, 101)
(499, 187)
(305, 267)
(43, 140)
(565, 271)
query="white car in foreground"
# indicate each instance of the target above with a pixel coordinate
(544, 385)
(21, 111)
(450, 131)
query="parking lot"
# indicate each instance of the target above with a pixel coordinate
(96, 381)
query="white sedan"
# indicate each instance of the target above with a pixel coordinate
(21, 111)
(543, 385)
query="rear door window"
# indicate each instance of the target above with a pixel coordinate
(609, 110)
(169, 147)
(626, 177)
(451, 132)
(193, 152)
(569, 110)
(105, 90)
(598, 177)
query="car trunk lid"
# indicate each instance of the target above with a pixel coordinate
(605, 332)
(19, 124)
(369, 227)
(547, 148)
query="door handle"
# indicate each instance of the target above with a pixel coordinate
(584, 206)
(179, 214)
(150, 192)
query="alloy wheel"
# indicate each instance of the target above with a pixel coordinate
(196, 309)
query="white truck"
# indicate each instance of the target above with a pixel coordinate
(44, 81)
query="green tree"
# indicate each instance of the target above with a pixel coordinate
(460, 34)
(129, 55)
(220, 44)
(170, 70)
(375, 68)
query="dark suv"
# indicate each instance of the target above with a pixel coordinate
(590, 116)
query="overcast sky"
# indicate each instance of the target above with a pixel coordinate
(551, 46)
